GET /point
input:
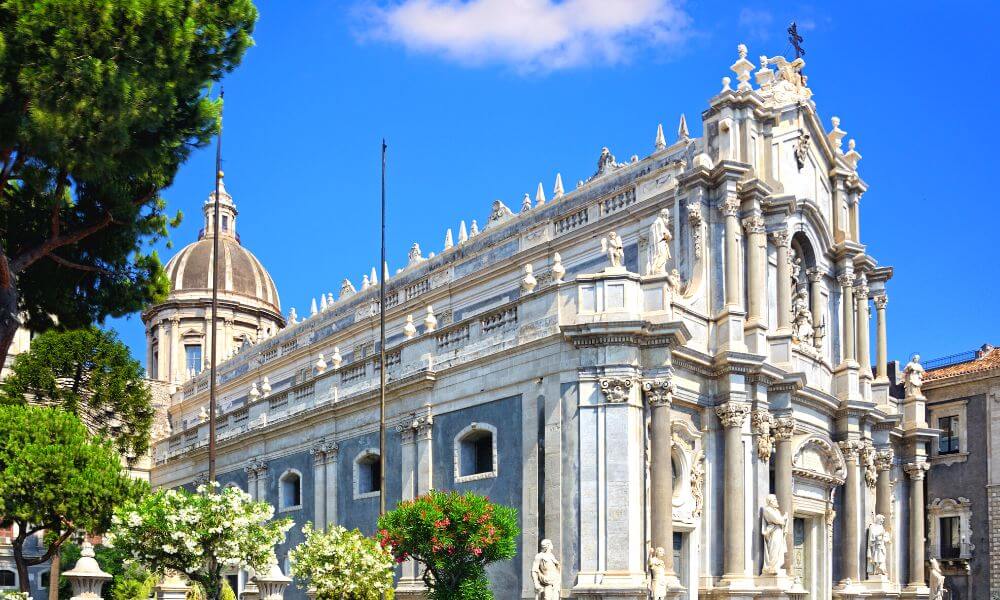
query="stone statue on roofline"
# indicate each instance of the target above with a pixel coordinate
(913, 377)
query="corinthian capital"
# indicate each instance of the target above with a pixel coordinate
(783, 428)
(851, 449)
(753, 224)
(616, 389)
(730, 207)
(732, 414)
(780, 238)
(659, 392)
(916, 470)
(881, 301)
(883, 459)
(846, 280)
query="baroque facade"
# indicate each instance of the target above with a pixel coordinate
(963, 485)
(700, 380)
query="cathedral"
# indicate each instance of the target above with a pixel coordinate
(667, 370)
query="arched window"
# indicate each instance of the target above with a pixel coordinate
(367, 474)
(8, 578)
(290, 490)
(476, 453)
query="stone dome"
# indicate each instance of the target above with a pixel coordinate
(239, 271)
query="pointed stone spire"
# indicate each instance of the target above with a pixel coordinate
(336, 359)
(526, 203)
(448, 243)
(430, 321)
(312, 309)
(292, 317)
(474, 229)
(385, 271)
(682, 128)
(373, 279)
(462, 234)
(322, 302)
(661, 142)
(365, 284)
(557, 190)
(409, 329)
(540, 195)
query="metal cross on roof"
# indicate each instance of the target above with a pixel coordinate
(795, 39)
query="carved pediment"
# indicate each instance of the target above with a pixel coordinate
(818, 458)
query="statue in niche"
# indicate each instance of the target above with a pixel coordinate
(612, 246)
(936, 581)
(773, 529)
(545, 573)
(657, 574)
(913, 377)
(802, 329)
(659, 244)
(878, 540)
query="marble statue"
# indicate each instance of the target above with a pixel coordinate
(936, 581)
(878, 540)
(773, 529)
(913, 377)
(545, 573)
(802, 329)
(612, 246)
(659, 244)
(657, 575)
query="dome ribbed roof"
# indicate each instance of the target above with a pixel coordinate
(239, 271)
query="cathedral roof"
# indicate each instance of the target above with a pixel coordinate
(986, 358)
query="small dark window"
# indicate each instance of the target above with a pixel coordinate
(43, 580)
(225, 223)
(477, 453)
(7, 578)
(234, 582)
(369, 474)
(291, 490)
(948, 442)
(951, 537)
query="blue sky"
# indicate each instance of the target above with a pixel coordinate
(480, 101)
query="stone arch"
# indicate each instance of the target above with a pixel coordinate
(689, 471)
(466, 447)
(817, 457)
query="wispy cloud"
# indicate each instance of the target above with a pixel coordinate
(759, 23)
(529, 35)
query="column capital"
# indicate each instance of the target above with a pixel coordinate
(851, 449)
(815, 274)
(616, 389)
(861, 286)
(880, 301)
(732, 414)
(659, 391)
(846, 280)
(324, 451)
(754, 224)
(783, 428)
(730, 207)
(175, 320)
(916, 470)
(780, 237)
(255, 468)
(883, 459)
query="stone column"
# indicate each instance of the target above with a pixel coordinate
(917, 471)
(425, 466)
(659, 394)
(881, 344)
(332, 458)
(816, 302)
(847, 301)
(756, 269)
(784, 427)
(162, 351)
(319, 486)
(784, 304)
(407, 432)
(251, 471)
(177, 363)
(226, 343)
(262, 482)
(852, 507)
(854, 200)
(731, 210)
(864, 336)
(732, 415)
(883, 486)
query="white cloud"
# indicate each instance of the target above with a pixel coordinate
(758, 23)
(530, 34)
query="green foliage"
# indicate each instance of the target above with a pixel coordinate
(454, 536)
(227, 592)
(100, 102)
(198, 533)
(56, 478)
(343, 565)
(91, 374)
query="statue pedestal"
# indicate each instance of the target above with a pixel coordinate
(846, 590)
(775, 582)
(915, 592)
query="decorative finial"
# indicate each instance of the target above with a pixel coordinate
(415, 254)
(742, 68)
(558, 270)
(292, 317)
(682, 128)
(430, 321)
(795, 40)
(346, 288)
(725, 85)
(365, 284)
(336, 359)
(526, 203)
(373, 279)
(529, 282)
(320, 363)
(409, 329)
(661, 142)
(265, 387)
(836, 135)
(254, 392)
(557, 190)
(852, 157)
(448, 243)
(329, 299)
(322, 302)
(540, 195)
(474, 229)
(312, 309)
(462, 234)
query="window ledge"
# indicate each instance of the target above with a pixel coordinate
(476, 477)
(290, 508)
(366, 495)
(949, 459)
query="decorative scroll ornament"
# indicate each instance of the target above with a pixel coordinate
(881, 301)
(753, 224)
(616, 389)
(698, 482)
(659, 392)
(732, 414)
(730, 207)
(868, 462)
(761, 422)
(802, 150)
(883, 459)
(695, 220)
(786, 86)
(783, 428)
(850, 449)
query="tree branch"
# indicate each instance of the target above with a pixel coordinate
(52, 550)
(72, 265)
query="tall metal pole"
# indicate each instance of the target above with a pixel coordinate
(381, 354)
(215, 300)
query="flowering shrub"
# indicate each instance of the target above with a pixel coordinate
(454, 536)
(198, 534)
(343, 565)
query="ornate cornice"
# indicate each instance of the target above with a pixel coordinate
(616, 389)
(732, 414)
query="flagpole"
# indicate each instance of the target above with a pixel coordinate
(381, 362)
(215, 299)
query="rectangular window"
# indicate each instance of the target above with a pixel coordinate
(951, 537)
(192, 356)
(154, 369)
(225, 223)
(948, 442)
